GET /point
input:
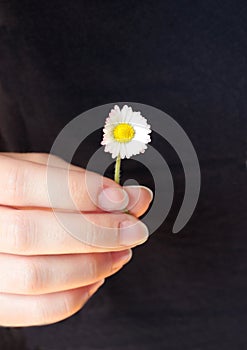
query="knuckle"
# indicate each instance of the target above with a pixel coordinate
(31, 277)
(16, 184)
(112, 264)
(94, 267)
(91, 237)
(68, 306)
(76, 188)
(19, 232)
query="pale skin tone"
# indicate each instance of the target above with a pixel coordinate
(46, 273)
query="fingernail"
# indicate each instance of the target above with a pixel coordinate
(132, 233)
(95, 287)
(111, 199)
(121, 258)
(137, 192)
(150, 192)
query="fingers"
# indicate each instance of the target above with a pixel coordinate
(29, 184)
(38, 232)
(34, 310)
(25, 183)
(35, 275)
(60, 255)
(140, 198)
(40, 158)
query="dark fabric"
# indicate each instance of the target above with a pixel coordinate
(188, 58)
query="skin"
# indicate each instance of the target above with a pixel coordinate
(47, 273)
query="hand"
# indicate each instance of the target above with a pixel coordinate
(46, 273)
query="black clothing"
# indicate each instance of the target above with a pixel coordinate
(60, 58)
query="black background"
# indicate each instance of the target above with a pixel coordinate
(188, 58)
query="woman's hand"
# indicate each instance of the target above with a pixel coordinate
(47, 273)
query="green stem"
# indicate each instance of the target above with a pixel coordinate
(117, 169)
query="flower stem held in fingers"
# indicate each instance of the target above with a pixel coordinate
(117, 169)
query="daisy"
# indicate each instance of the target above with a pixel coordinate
(126, 133)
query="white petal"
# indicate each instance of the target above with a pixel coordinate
(141, 135)
(124, 112)
(129, 115)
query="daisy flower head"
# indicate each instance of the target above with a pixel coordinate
(126, 133)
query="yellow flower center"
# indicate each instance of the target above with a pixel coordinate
(123, 132)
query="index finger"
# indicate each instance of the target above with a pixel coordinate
(29, 184)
